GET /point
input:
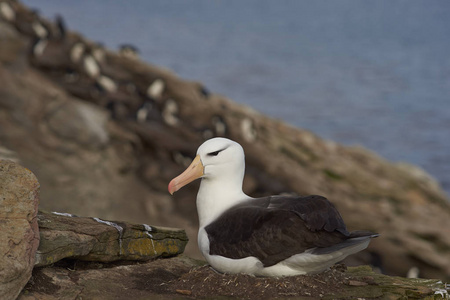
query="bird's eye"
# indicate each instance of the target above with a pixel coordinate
(215, 153)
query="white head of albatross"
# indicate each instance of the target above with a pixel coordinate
(270, 236)
(220, 164)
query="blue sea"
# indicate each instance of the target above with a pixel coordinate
(370, 73)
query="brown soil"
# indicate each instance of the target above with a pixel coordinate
(204, 282)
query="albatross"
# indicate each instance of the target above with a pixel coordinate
(270, 236)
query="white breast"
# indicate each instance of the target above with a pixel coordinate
(248, 265)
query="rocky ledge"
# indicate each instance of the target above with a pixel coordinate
(184, 278)
(65, 236)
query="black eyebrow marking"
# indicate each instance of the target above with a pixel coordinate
(215, 153)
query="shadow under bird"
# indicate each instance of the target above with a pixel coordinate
(269, 236)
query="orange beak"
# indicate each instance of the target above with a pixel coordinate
(194, 171)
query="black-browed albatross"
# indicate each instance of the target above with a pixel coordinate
(270, 236)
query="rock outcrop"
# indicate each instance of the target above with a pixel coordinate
(105, 134)
(65, 236)
(183, 278)
(19, 233)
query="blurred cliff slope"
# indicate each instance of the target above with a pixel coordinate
(104, 133)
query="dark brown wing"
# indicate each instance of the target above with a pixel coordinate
(317, 212)
(275, 228)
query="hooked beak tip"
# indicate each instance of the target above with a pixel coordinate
(172, 189)
(194, 171)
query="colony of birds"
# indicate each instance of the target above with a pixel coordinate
(89, 71)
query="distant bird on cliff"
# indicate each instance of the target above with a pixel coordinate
(76, 52)
(219, 128)
(54, 50)
(87, 57)
(106, 84)
(156, 89)
(270, 236)
(90, 66)
(204, 91)
(147, 111)
(129, 51)
(7, 11)
(51, 42)
(29, 22)
(169, 112)
(60, 26)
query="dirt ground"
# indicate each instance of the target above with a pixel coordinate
(205, 282)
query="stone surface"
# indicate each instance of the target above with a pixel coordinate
(87, 124)
(19, 233)
(183, 278)
(93, 239)
(119, 168)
